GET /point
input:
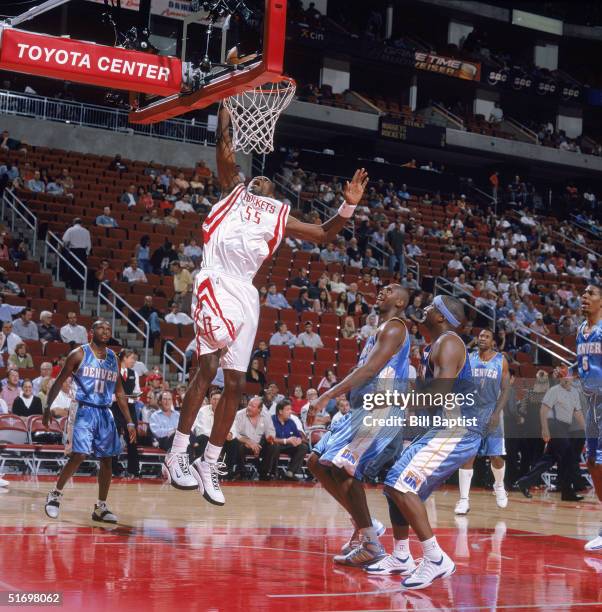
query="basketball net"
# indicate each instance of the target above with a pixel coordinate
(254, 114)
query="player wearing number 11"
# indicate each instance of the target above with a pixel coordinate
(239, 234)
(91, 428)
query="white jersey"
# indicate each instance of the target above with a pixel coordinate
(241, 231)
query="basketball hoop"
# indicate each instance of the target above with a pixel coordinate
(254, 113)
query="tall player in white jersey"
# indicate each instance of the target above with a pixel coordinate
(241, 231)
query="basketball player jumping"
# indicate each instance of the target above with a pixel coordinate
(589, 365)
(343, 456)
(240, 233)
(91, 427)
(491, 376)
(431, 459)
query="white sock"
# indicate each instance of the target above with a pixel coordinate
(180, 443)
(369, 534)
(101, 502)
(465, 478)
(431, 550)
(212, 453)
(401, 548)
(498, 475)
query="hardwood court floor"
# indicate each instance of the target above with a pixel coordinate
(270, 548)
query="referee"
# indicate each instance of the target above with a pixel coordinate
(559, 406)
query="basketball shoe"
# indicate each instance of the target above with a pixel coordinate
(3, 483)
(367, 553)
(595, 544)
(428, 571)
(501, 497)
(354, 541)
(462, 507)
(392, 565)
(207, 476)
(176, 470)
(53, 503)
(102, 513)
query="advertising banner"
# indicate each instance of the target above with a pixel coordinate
(83, 62)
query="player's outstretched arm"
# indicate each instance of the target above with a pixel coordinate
(390, 338)
(73, 362)
(224, 153)
(353, 193)
(121, 400)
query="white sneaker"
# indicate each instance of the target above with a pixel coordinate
(392, 565)
(53, 503)
(367, 553)
(3, 483)
(462, 507)
(354, 541)
(501, 497)
(176, 470)
(102, 514)
(428, 571)
(207, 475)
(595, 544)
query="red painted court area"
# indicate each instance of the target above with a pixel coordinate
(158, 568)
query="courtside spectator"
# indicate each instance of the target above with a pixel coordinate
(254, 373)
(8, 287)
(21, 358)
(255, 432)
(8, 339)
(45, 372)
(27, 403)
(303, 303)
(24, 326)
(310, 417)
(72, 333)
(105, 274)
(164, 422)
(7, 311)
(309, 337)
(275, 299)
(47, 332)
(283, 337)
(182, 279)
(11, 388)
(150, 314)
(36, 184)
(178, 317)
(289, 439)
(64, 399)
(78, 242)
(343, 408)
(106, 220)
(117, 164)
(133, 274)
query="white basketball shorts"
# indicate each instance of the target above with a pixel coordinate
(225, 311)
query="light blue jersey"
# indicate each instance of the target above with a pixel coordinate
(435, 456)
(487, 377)
(96, 378)
(91, 427)
(589, 365)
(589, 357)
(363, 448)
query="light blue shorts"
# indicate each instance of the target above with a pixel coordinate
(362, 448)
(92, 431)
(429, 461)
(593, 427)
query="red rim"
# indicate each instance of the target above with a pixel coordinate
(284, 79)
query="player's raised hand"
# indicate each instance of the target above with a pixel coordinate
(354, 189)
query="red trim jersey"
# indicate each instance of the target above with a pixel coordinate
(241, 231)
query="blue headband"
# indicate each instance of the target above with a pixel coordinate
(444, 310)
